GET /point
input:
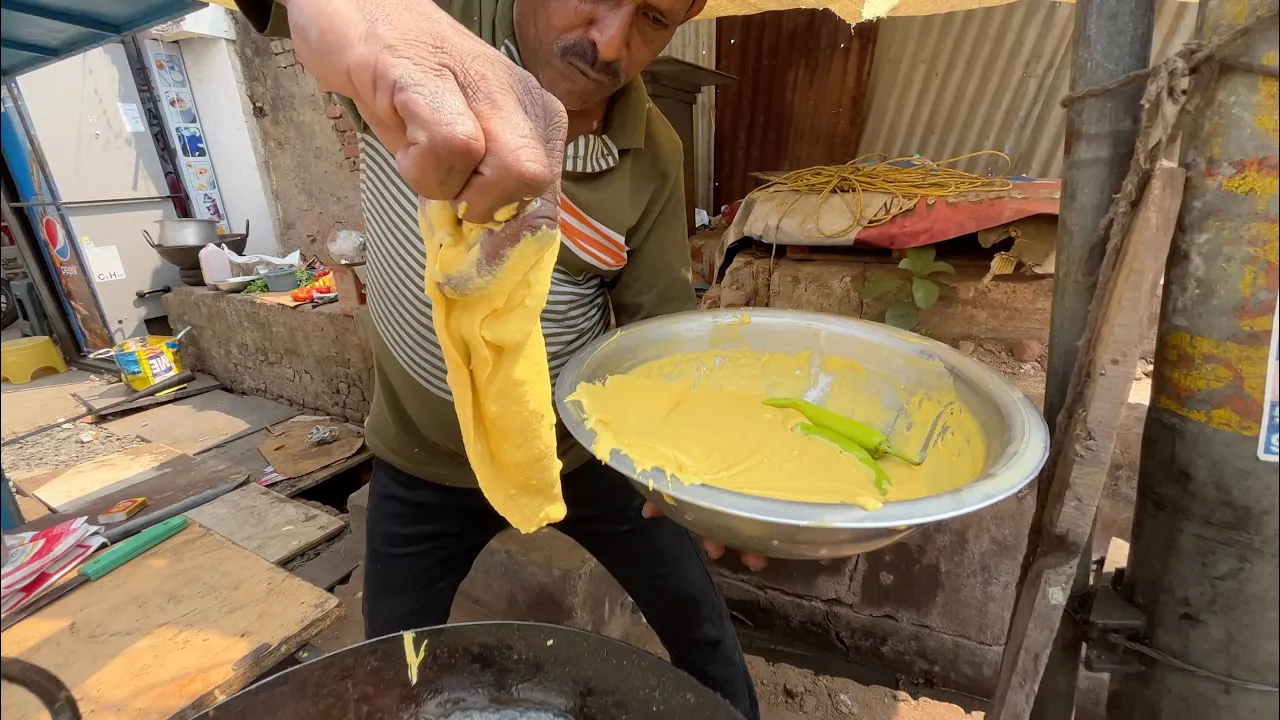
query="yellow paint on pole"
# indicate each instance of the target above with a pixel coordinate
(1235, 373)
(1267, 115)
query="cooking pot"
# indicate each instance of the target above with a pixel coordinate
(184, 232)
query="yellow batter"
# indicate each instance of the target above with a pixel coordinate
(497, 362)
(699, 417)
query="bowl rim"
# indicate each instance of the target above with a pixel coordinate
(1014, 469)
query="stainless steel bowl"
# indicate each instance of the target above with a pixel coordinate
(1016, 434)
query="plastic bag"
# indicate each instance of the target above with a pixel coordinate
(346, 247)
(243, 265)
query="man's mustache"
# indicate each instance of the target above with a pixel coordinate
(584, 52)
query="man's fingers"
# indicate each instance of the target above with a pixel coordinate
(524, 130)
(754, 561)
(713, 549)
(650, 510)
(443, 140)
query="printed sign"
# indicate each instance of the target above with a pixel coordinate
(1269, 436)
(132, 117)
(104, 262)
(177, 107)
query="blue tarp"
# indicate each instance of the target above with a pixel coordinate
(38, 32)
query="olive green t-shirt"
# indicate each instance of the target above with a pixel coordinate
(624, 257)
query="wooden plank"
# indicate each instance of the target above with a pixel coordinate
(1081, 455)
(198, 423)
(243, 453)
(270, 525)
(330, 567)
(292, 486)
(174, 480)
(88, 481)
(44, 401)
(173, 631)
(119, 391)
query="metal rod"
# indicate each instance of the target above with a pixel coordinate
(1203, 564)
(1112, 38)
(95, 203)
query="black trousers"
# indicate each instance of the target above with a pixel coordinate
(423, 537)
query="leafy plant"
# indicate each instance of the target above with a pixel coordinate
(921, 276)
(257, 285)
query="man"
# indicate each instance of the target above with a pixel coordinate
(447, 116)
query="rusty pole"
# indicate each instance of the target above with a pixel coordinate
(1112, 38)
(1203, 564)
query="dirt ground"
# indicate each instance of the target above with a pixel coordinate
(65, 446)
(788, 693)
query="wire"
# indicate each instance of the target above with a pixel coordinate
(1170, 660)
(907, 179)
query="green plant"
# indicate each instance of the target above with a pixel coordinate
(922, 269)
(257, 285)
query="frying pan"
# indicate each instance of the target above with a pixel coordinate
(480, 671)
(472, 671)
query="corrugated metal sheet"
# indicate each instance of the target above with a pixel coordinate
(695, 42)
(991, 78)
(799, 99)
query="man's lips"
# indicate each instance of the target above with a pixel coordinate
(586, 73)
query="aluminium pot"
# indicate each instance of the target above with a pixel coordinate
(185, 232)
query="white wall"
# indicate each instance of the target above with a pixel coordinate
(218, 85)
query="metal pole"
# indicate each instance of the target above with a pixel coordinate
(1112, 38)
(1203, 564)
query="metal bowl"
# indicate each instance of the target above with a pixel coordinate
(1016, 434)
(188, 257)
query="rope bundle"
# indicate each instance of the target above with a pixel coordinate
(907, 179)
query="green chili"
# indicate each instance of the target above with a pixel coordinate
(871, 439)
(848, 445)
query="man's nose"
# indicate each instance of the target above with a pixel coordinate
(611, 31)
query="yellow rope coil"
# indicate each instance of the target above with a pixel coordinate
(908, 179)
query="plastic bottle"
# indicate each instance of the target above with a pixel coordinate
(215, 266)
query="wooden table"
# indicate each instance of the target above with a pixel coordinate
(171, 633)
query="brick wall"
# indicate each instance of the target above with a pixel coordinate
(308, 357)
(309, 145)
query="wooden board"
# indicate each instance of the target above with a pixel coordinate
(115, 393)
(292, 486)
(45, 400)
(287, 450)
(88, 481)
(182, 626)
(1081, 454)
(330, 567)
(277, 298)
(243, 452)
(175, 480)
(270, 525)
(198, 423)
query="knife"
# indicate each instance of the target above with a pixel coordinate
(106, 561)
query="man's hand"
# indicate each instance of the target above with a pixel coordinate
(465, 124)
(754, 561)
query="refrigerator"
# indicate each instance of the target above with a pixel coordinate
(92, 139)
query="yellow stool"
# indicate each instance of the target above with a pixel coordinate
(23, 357)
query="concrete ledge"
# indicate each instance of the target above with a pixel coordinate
(309, 356)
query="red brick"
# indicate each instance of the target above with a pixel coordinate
(350, 138)
(344, 124)
(351, 151)
(333, 111)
